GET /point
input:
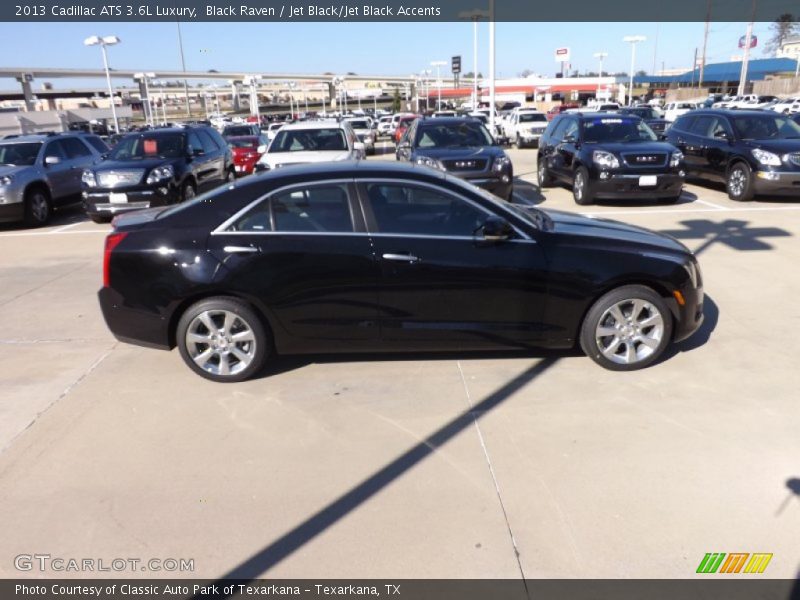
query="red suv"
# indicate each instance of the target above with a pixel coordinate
(247, 149)
(402, 125)
(557, 110)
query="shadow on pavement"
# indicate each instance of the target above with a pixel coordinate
(734, 233)
(701, 336)
(67, 215)
(304, 532)
(527, 193)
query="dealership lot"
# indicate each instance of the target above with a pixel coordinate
(448, 466)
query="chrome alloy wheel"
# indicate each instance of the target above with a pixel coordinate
(221, 342)
(737, 181)
(578, 185)
(40, 209)
(629, 331)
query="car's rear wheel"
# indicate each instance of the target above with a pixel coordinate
(37, 207)
(188, 191)
(230, 176)
(518, 142)
(542, 174)
(223, 339)
(740, 182)
(627, 329)
(101, 218)
(580, 187)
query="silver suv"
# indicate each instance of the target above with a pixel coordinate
(41, 172)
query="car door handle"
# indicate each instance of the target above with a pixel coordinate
(240, 249)
(409, 258)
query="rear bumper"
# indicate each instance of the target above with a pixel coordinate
(133, 326)
(777, 183)
(621, 186)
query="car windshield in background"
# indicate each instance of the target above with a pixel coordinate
(242, 143)
(137, 147)
(766, 127)
(237, 131)
(471, 133)
(359, 124)
(20, 154)
(309, 140)
(644, 113)
(530, 117)
(617, 130)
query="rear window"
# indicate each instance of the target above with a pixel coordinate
(531, 117)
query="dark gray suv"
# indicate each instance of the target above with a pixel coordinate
(41, 172)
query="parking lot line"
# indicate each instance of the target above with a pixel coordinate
(53, 232)
(678, 211)
(65, 227)
(707, 203)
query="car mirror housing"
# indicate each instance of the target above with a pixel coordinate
(51, 160)
(496, 229)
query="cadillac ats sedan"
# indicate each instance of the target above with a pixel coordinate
(382, 257)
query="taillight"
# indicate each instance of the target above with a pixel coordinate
(112, 241)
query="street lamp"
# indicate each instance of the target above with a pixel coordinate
(632, 40)
(474, 16)
(600, 56)
(427, 88)
(292, 85)
(108, 40)
(438, 64)
(160, 86)
(146, 77)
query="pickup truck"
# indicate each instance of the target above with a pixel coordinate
(525, 127)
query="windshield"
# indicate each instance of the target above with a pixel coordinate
(242, 143)
(20, 154)
(765, 127)
(645, 113)
(530, 117)
(617, 130)
(237, 131)
(359, 124)
(469, 133)
(136, 147)
(309, 140)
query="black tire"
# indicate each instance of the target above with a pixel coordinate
(510, 196)
(244, 318)
(230, 177)
(739, 182)
(612, 351)
(518, 143)
(581, 190)
(542, 174)
(38, 207)
(101, 218)
(188, 191)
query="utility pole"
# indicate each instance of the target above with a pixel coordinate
(746, 58)
(705, 43)
(492, 88)
(183, 65)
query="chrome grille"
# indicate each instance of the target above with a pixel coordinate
(645, 160)
(112, 179)
(466, 164)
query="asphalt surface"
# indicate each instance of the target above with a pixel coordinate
(447, 466)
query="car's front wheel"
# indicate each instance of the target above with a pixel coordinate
(740, 182)
(222, 339)
(627, 329)
(37, 207)
(542, 174)
(580, 187)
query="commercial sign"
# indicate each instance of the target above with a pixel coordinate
(562, 54)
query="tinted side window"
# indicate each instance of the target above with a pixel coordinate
(416, 210)
(209, 145)
(570, 129)
(324, 208)
(683, 123)
(96, 143)
(556, 135)
(75, 148)
(55, 148)
(215, 135)
(701, 126)
(194, 142)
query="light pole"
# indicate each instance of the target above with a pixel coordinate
(427, 88)
(438, 64)
(491, 70)
(632, 40)
(474, 16)
(160, 86)
(146, 77)
(292, 86)
(600, 56)
(252, 81)
(417, 85)
(108, 40)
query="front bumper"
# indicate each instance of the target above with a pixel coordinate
(499, 184)
(779, 183)
(617, 186)
(690, 315)
(112, 202)
(12, 212)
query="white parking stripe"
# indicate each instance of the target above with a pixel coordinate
(646, 211)
(65, 227)
(707, 203)
(40, 233)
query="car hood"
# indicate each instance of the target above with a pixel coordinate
(144, 163)
(633, 147)
(289, 158)
(461, 152)
(776, 146)
(567, 223)
(12, 169)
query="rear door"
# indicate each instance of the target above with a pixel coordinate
(60, 176)
(215, 163)
(303, 254)
(443, 285)
(566, 149)
(200, 162)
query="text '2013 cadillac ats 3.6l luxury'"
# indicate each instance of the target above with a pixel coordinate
(365, 257)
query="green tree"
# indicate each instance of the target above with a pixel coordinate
(784, 27)
(396, 100)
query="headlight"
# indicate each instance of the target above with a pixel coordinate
(605, 159)
(766, 158)
(676, 158)
(500, 163)
(88, 178)
(428, 162)
(6, 179)
(160, 173)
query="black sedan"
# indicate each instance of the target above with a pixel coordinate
(752, 152)
(609, 156)
(155, 168)
(368, 257)
(461, 146)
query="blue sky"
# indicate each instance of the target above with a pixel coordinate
(364, 48)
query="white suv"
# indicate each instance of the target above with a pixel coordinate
(311, 142)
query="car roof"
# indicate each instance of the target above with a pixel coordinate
(728, 112)
(41, 137)
(447, 120)
(313, 125)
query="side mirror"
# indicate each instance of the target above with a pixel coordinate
(198, 152)
(261, 149)
(51, 160)
(359, 147)
(721, 135)
(570, 139)
(496, 229)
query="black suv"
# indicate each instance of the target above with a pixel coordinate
(611, 156)
(649, 115)
(751, 151)
(154, 168)
(462, 147)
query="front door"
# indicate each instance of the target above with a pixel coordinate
(443, 285)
